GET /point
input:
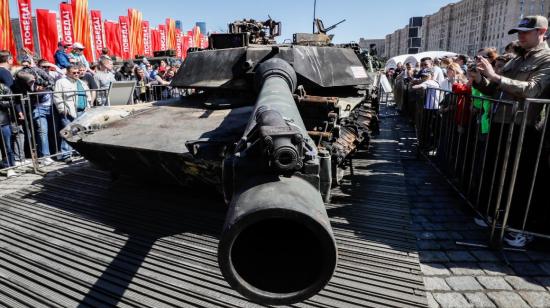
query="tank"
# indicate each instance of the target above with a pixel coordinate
(269, 126)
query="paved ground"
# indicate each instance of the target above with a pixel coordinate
(454, 275)
(26, 176)
(78, 238)
(461, 276)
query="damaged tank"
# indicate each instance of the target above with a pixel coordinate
(271, 126)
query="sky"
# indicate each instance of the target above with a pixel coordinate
(364, 18)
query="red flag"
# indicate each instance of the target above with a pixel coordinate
(155, 40)
(163, 37)
(66, 14)
(135, 18)
(97, 32)
(170, 33)
(125, 35)
(178, 44)
(6, 33)
(25, 22)
(46, 22)
(190, 40)
(113, 37)
(185, 44)
(204, 41)
(147, 41)
(196, 37)
(81, 26)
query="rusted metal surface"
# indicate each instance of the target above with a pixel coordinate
(317, 100)
(317, 134)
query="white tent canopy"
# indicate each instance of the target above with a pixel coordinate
(392, 63)
(413, 59)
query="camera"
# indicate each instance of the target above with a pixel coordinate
(477, 58)
(40, 82)
(472, 67)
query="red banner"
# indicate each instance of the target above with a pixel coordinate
(204, 41)
(185, 39)
(196, 37)
(46, 22)
(81, 26)
(147, 41)
(135, 18)
(66, 15)
(97, 32)
(170, 33)
(113, 38)
(125, 36)
(163, 38)
(25, 22)
(190, 40)
(6, 34)
(155, 40)
(178, 44)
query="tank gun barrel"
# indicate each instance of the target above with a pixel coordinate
(334, 26)
(277, 245)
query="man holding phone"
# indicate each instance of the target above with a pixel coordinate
(528, 74)
(525, 76)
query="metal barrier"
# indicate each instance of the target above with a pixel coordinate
(384, 97)
(34, 127)
(13, 130)
(163, 92)
(155, 92)
(496, 153)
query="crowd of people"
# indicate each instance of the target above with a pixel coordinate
(462, 96)
(58, 93)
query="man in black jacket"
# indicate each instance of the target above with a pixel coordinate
(6, 112)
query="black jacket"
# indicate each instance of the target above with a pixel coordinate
(6, 105)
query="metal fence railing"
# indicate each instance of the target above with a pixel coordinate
(13, 128)
(496, 153)
(155, 92)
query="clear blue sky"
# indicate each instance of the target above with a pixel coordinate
(365, 18)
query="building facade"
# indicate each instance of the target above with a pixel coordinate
(380, 45)
(468, 25)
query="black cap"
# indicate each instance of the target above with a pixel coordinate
(425, 72)
(530, 23)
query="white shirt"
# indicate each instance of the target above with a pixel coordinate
(438, 74)
(433, 97)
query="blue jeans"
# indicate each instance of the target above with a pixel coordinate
(66, 149)
(42, 116)
(5, 146)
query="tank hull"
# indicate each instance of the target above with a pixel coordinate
(178, 142)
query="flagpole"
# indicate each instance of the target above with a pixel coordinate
(314, 14)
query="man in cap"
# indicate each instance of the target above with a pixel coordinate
(525, 76)
(61, 56)
(528, 74)
(77, 50)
